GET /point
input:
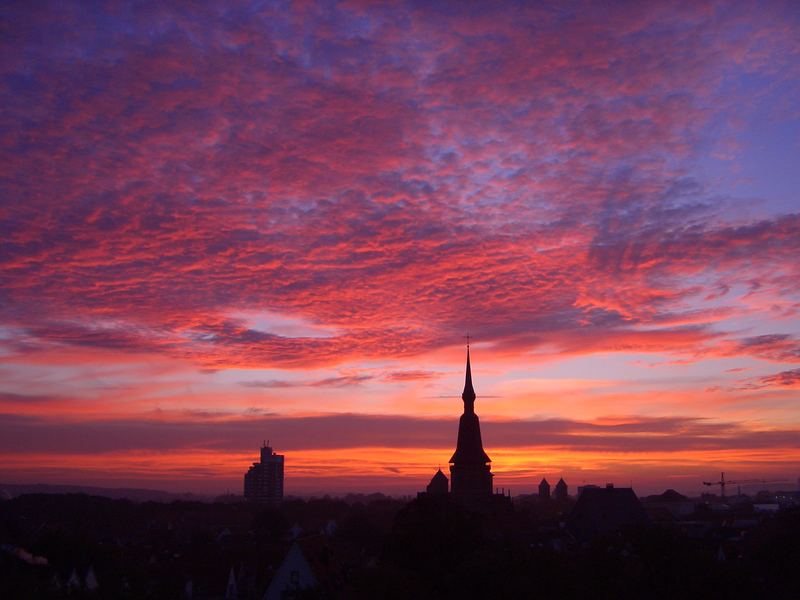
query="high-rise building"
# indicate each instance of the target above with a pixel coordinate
(470, 471)
(263, 482)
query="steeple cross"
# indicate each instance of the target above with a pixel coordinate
(467, 337)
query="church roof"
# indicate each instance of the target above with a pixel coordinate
(469, 447)
(439, 476)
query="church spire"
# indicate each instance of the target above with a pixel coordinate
(469, 448)
(470, 472)
(468, 395)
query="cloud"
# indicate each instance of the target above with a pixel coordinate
(328, 382)
(410, 375)
(380, 179)
(209, 432)
(195, 181)
(777, 347)
(22, 399)
(783, 380)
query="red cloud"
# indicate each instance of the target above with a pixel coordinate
(392, 176)
(188, 181)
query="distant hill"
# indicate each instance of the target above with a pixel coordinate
(12, 490)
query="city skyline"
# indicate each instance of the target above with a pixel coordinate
(252, 222)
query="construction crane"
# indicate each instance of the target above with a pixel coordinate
(723, 482)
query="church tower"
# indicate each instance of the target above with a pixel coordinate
(470, 471)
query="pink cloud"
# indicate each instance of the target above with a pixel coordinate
(395, 176)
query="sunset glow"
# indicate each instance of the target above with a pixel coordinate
(221, 224)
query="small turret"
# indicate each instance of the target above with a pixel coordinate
(544, 490)
(439, 485)
(561, 492)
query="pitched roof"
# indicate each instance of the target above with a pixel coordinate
(439, 476)
(602, 510)
(294, 574)
(671, 495)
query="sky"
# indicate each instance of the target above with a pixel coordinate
(224, 223)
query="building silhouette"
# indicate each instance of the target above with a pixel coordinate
(560, 494)
(470, 471)
(294, 579)
(439, 485)
(605, 510)
(669, 505)
(544, 490)
(263, 482)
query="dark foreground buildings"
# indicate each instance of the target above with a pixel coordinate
(605, 510)
(263, 482)
(76, 546)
